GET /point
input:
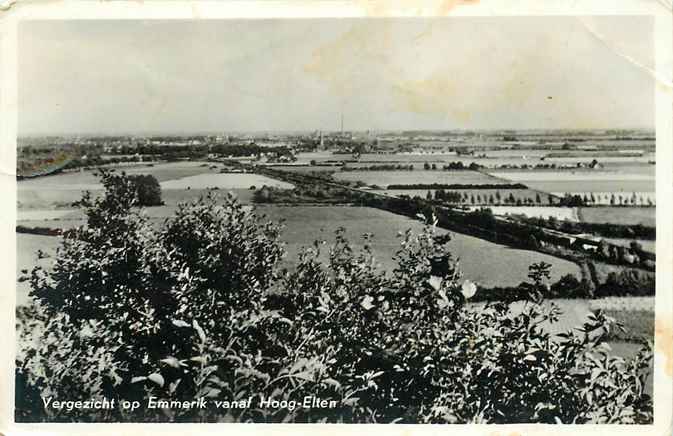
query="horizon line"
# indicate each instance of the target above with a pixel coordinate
(310, 131)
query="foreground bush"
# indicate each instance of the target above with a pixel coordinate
(198, 308)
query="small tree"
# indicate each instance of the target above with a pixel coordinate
(263, 195)
(539, 273)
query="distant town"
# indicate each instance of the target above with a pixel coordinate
(41, 155)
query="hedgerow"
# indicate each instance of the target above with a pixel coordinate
(199, 308)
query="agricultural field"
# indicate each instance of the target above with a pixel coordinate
(608, 162)
(418, 165)
(223, 181)
(492, 158)
(175, 196)
(86, 179)
(562, 186)
(48, 198)
(581, 180)
(46, 202)
(507, 266)
(385, 178)
(619, 215)
(319, 156)
(180, 181)
(39, 215)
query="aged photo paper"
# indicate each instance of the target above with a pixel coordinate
(310, 217)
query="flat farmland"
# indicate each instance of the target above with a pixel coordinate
(486, 158)
(304, 224)
(506, 266)
(372, 158)
(175, 196)
(71, 218)
(571, 186)
(607, 161)
(418, 165)
(46, 203)
(44, 214)
(223, 181)
(320, 156)
(179, 181)
(385, 178)
(48, 198)
(619, 215)
(86, 179)
(176, 170)
(581, 180)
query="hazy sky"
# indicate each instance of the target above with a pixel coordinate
(383, 74)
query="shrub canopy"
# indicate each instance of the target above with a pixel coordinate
(198, 307)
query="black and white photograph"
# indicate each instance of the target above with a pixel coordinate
(370, 220)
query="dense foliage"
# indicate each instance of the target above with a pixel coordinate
(198, 308)
(380, 167)
(149, 190)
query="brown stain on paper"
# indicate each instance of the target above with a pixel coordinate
(663, 333)
(447, 5)
(330, 59)
(378, 8)
(435, 94)
(334, 62)
(512, 433)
